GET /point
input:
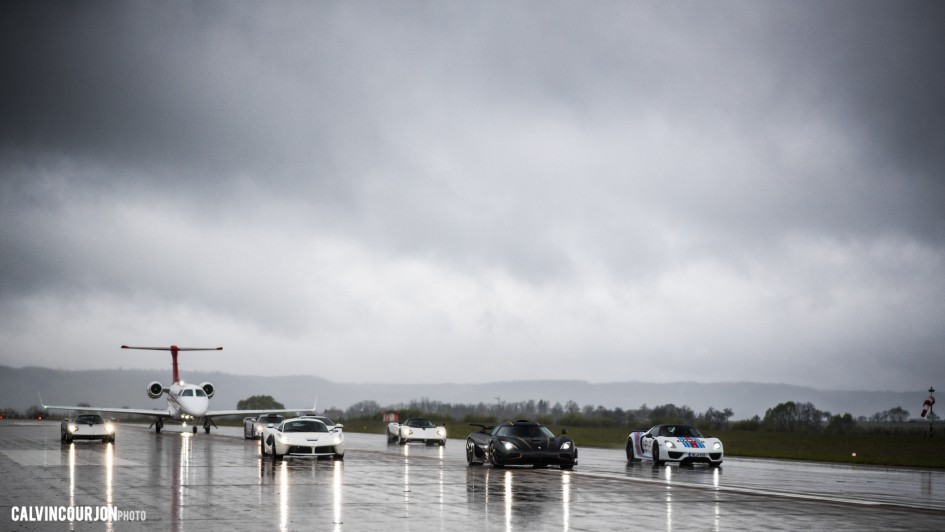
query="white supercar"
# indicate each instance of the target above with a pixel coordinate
(303, 437)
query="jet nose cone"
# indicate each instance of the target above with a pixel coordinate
(198, 406)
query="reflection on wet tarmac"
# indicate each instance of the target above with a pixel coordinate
(283, 477)
(507, 482)
(89, 455)
(336, 489)
(72, 474)
(423, 487)
(109, 478)
(566, 499)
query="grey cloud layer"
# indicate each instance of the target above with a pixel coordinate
(657, 175)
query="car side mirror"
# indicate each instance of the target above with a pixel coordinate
(564, 431)
(339, 425)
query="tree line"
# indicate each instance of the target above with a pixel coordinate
(789, 416)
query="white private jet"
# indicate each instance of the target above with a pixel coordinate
(186, 403)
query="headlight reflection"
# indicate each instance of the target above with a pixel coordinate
(508, 501)
(109, 465)
(566, 500)
(283, 496)
(337, 475)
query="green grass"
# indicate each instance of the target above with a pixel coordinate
(902, 448)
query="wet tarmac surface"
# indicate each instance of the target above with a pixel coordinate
(183, 481)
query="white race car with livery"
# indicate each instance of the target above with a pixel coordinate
(301, 436)
(416, 430)
(682, 444)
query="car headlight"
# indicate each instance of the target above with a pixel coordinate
(565, 446)
(109, 427)
(410, 432)
(717, 446)
(670, 445)
(509, 446)
(441, 432)
(73, 428)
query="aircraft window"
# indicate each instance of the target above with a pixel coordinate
(187, 393)
(200, 393)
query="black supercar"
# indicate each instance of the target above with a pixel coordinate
(520, 442)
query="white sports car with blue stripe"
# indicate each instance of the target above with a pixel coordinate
(682, 444)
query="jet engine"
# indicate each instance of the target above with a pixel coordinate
(155, 389)
(207, 388)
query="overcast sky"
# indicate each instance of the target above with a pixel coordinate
(478, 191)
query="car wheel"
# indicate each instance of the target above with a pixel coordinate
(471, 453)
(339, 456)
(262, 448)
(442, 443)
(492, 459)
(630, 456)
(656, 456)
(195, 429)
(567, 467)
(62, 436)
(401, 441)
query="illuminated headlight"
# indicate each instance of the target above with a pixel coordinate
(109, 427)
(717, 446)
(565, 446)
(410, 432)
(509, 446)
(73, 428)
(670, 445)
(441, 432)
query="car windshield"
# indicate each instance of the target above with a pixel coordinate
(420, 423)
(304, 425)
(89, 418)
(525, 431)
(680, 431)
(271, 418)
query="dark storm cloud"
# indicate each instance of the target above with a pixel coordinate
(704, 181)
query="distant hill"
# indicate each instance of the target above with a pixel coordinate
(20, 388)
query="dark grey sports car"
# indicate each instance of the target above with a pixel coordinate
(520, 442)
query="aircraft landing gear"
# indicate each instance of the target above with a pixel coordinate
(206, 426)
(158, 425)
(195, 429)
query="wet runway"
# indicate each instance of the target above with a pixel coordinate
(198, 482)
